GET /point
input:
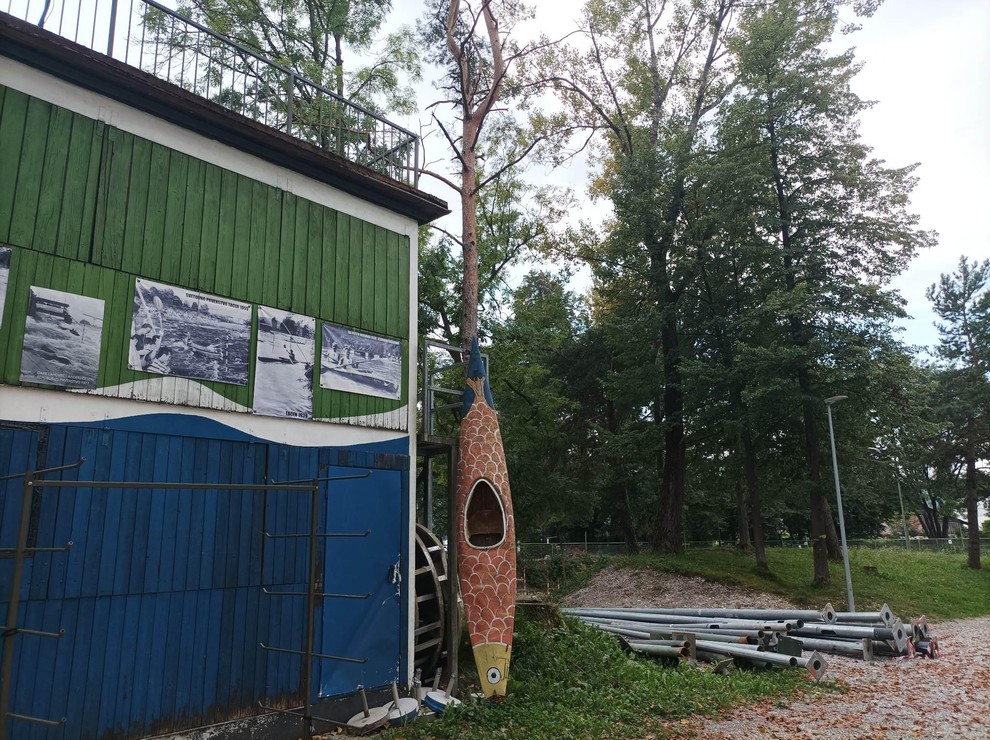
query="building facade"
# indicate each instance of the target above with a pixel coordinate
(190, 297)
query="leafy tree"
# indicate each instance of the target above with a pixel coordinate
(537, 409)
(836, 217)
(320, 41)
(472, 44)
(962, 301)
(645, 79)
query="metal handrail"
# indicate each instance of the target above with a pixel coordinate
(182, 51)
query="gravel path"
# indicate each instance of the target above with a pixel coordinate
(944, 698)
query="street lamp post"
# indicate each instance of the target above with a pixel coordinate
(838, 498)
(907, 540)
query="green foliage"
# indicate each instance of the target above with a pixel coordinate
(913, 583)
(310, 38)
(575, 682)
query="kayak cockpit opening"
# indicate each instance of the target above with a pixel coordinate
(484, 517)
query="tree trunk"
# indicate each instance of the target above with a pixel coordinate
(469, 232)
(742, 516)
(831, 533)
(819, 512)
(755, 505)
(668, 532)
(621, 503)
(972, 513)
(799, 335)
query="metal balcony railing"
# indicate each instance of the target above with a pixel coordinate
(157, 40)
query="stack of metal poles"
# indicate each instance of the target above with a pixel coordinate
(761, 637)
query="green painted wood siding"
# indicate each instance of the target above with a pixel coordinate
(89, 207)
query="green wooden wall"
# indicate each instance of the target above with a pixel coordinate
(89, 207)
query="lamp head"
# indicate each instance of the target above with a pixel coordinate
(835, 399)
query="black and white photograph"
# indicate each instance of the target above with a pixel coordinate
(182, 332)
(283, 373)
(360, 363)
(4, 278)
(62, 337)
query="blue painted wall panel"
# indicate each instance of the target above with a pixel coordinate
(161, 596)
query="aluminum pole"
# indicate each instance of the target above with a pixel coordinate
(907, 541)
(838, 497)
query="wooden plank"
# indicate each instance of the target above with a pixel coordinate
(109, 552)
(192, 221)
(383, 281)
(165, 605)
(106, 633)
(361, 277)
(22, 263)
(394, 290)
(240, 253)
(92, 544)
(256, 252)
(146, 256)
(75, 207)
(172, 656)
(210, 514)
(175, 214)
(143, 650)
(72, 451)
(186, 471)
(205, 278)
(272, 247)
(252, 679)
(236, 679)
(142, 514)
(238, 533)
(201, 637)
(90, 198)
(197, 509)
(403, 279)
(29, 174)
(53, 180)
(119, 291)
(300, 264)
(226, 650)
(13, 115)
(81, 499)
(131, 665)
(127, 537)
(223, 513)
(329, 262)
(165, 576)
(227, 226)
(184, 697)
(286, 248)
(213, 617)
(112, 213)
(314, 261)
(342, 269)
(81, 701)
(139, 190)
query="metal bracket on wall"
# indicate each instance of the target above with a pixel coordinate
(312, 594)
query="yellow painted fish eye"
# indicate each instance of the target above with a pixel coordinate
(494, 675)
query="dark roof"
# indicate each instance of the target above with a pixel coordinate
(49, 53)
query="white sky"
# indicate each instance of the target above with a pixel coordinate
(927, 64)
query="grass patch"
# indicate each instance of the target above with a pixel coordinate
(938, 585)
(575, 682)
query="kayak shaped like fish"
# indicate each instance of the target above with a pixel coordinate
(486, 540)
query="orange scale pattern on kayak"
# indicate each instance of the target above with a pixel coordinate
(487, 577)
